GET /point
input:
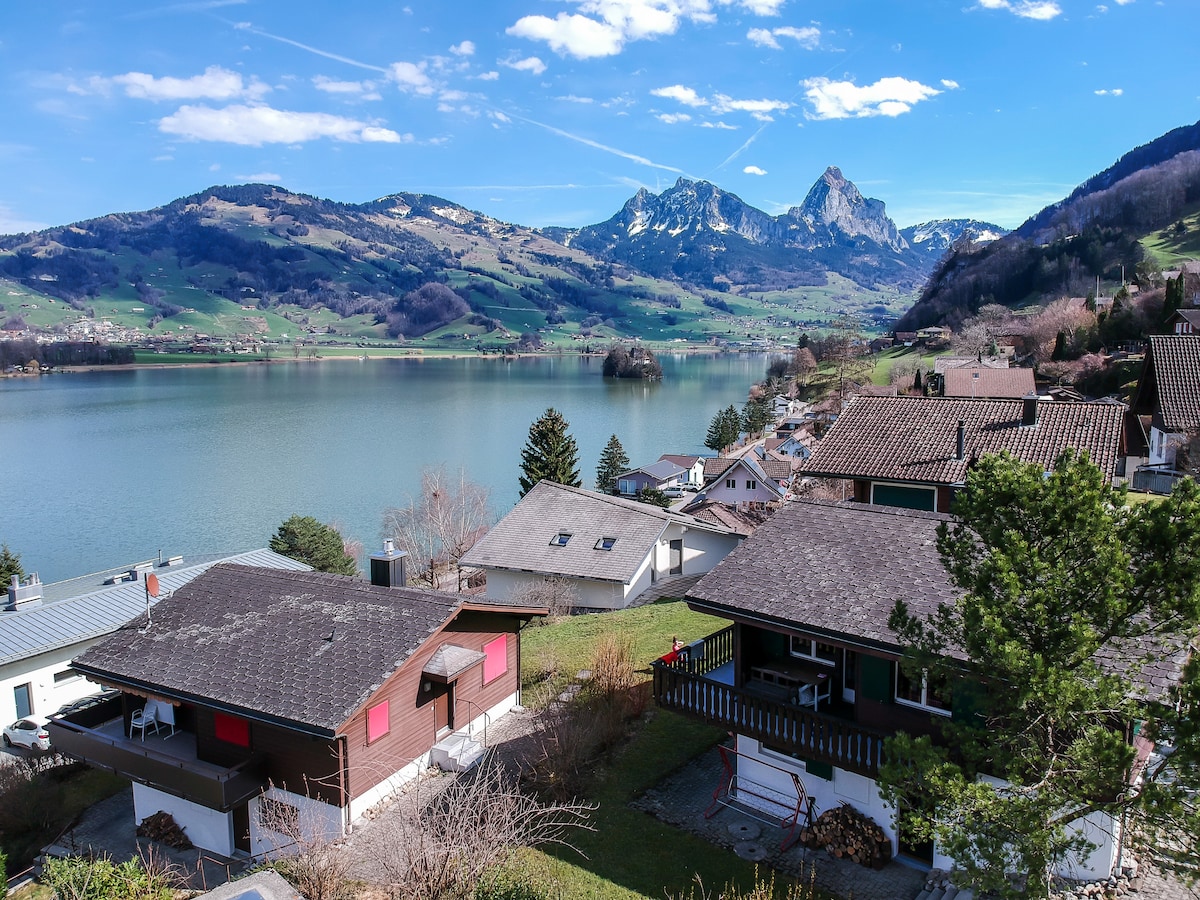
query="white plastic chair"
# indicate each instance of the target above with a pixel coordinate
(144, 718)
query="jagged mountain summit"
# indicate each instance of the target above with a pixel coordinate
(938, 236)
(697, 233)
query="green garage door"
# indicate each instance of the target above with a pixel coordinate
(906, 497)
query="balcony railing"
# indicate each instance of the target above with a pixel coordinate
(177, 772)
(1155, 480)
(682, 686)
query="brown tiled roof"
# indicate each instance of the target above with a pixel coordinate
(837, 569)
(943, 364)
(305, 649)
(716, 465)
(684, 462)
(741, 521)
(1190, 315)
(1175, 359)
(776, 468)
(914, 439)
(985, 382)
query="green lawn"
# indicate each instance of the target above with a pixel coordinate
(630, 855)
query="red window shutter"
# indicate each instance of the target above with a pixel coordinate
(378, 723)
(231, 729)
(496, 663)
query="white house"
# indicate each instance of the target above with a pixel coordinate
(610, 548)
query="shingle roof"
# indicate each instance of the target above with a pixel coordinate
(914, 439)
(839, 568)
(776, 468)
(303, 648)
(685, 462)
(1190, 315)
(833, 568)
(660, 471)
(715, 465)
(984, 382)
(1175, 359)
(523, 539)
(84, 610)
(942, 364)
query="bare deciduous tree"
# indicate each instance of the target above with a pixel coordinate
(554, 592)
(441, 524)
(443, 840)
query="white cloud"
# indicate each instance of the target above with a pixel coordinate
(572, 35)
(1109, 92)
(359, 90)
(846, 100)
(719, 125)
(754, 170)
(807, 37)
(673, 118)
(411, 77)
(1040, 10)
(260, 178)
(758, 7)
(949, 84)
(684, 95)
(488, 76)
(466, 48)
(499, 117)
(215, 167)
(571, 98)
(254, 126)
(603, 27)
(529, 64)
(215, 84)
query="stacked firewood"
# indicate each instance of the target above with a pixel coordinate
(162, 828)
(845, 833)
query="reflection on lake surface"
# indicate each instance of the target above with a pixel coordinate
(105, 468)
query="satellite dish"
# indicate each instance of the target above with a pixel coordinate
(152, 585)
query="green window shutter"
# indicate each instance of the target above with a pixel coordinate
(876, 675)
(904, 497)
(966, 702)
(819, 769)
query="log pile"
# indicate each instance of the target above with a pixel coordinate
(162, 828)
(845, 833)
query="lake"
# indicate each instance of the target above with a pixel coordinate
(101, 469)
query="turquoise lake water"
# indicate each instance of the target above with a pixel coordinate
(102, 469)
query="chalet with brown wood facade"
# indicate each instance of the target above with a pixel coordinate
(255, 694)
(913, 452)
(807, 676)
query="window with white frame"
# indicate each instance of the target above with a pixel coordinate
(560, 539)
(922, 692)
(811, 648)
(751, 484)
(731, 483)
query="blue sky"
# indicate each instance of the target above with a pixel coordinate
(553, 112)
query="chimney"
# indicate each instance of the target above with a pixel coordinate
(139, 572)
(1029, 409)
(388, 569)
(960, 451)
(21, 596)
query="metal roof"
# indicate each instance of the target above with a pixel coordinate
(81, 609)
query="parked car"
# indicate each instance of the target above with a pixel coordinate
(674, 490)
(87, 702)
(28, 732)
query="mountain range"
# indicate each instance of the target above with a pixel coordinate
(690, 263)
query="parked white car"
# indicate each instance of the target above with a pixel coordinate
(28, 732)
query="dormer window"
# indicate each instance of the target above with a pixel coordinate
(606, 543)
(560, 539)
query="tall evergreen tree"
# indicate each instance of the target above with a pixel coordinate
(550, 453)
(724, 429)
(613, 461)
(756, 415)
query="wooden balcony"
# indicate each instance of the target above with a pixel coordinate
(688, 686)
(168, 763)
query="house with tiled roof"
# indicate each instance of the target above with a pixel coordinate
(609, 549)
(657, 476)
(693, 464)
(714, 466)
(913, 451)
(46, 625)
(809, 653)
(1184, 321)
(981, 382)
(1169, 394)
(253, 694)
(745, 483)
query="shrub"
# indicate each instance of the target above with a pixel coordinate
(78, 878)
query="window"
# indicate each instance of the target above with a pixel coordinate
(560, 539)
(379, 721)
(66, 675)
(275, 815)
(627, 486)
(231, 729)
(606, 543)
(731, 483)
(920, 692)
(811, 648)
(496, 662)
(751, 484)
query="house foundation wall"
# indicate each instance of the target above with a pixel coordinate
(207, 828)
(762, 766)
(315, 822)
